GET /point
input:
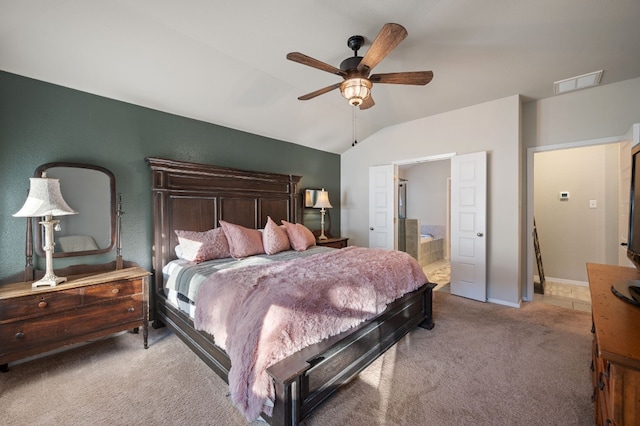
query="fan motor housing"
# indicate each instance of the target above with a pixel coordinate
(350, 63)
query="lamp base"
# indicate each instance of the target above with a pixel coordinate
(323, 237)
(48, 281)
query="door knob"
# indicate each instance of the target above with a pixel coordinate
(480, 234)
(371, 229)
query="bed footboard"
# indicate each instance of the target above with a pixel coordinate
(201, 343)
(306, 378)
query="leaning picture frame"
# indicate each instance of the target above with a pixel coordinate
(310, 197)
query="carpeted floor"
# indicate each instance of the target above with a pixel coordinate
(483, 364)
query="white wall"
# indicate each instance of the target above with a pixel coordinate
(599, 112)
(493, 127)
(427, 191)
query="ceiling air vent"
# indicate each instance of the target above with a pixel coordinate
(577, 83)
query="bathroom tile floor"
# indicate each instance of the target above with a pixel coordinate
(559, 294)
(566, 295)
(439, 272)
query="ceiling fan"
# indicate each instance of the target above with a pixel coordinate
(356, 87)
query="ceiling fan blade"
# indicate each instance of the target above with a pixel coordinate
(303, 59)
(319, 92)
(367, 102)
(388, 38)
(418, 78)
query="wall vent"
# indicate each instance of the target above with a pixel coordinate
(577, 83)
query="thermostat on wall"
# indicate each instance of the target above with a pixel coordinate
(564, 195)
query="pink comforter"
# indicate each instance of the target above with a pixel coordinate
(261, 314)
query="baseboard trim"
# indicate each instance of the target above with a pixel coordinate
(503, 302)
(562, 281)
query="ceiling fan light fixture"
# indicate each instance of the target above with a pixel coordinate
(355, 90)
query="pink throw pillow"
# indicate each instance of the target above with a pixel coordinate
(274, 238)
(300, 237)
(243, 241)
(200, 246)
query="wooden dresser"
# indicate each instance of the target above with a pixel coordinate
(616, 348)
(85, 307)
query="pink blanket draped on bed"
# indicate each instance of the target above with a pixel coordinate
(264, 313)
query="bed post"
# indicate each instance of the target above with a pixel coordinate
(295, 208)
(427, 308)
(286, 410)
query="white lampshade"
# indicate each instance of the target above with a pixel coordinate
(323, 200)
(44, 199)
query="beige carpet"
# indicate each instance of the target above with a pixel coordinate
(482, 364)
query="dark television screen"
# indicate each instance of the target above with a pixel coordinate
(629, 291)
(633, 248)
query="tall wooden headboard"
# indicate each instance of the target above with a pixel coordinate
(191, 196)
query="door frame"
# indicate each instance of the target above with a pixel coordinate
(527, 292)
(427, 159)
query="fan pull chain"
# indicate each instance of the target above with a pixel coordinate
(355, 141)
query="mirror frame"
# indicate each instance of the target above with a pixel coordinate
(112, 210)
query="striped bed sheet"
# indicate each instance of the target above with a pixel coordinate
(183, 278)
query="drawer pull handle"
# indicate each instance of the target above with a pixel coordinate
(115, 291)
(131, 309)
(42, 304)
(19, 335)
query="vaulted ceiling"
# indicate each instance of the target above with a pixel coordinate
(224, 62)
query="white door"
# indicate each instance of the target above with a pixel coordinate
(382, 208)
(468, 225)
(624, 188)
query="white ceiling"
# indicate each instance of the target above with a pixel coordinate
(224, 61)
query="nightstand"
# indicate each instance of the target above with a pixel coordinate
(85, 307)
(338, 242)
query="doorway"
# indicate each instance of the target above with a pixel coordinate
(581, 215)
(468, 217)
(424, 193)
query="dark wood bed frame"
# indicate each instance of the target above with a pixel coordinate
(194, 197)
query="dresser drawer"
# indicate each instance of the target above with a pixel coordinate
(104, 292)
(36, 304)
(25, 335)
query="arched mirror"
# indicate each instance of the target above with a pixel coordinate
(91, 191)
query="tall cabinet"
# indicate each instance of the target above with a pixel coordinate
(616, 348)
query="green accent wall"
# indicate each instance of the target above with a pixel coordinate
(42, 123)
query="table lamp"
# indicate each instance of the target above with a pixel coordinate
(45, 199)
(322, 202)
